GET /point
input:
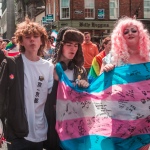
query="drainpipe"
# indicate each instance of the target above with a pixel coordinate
(130, 9)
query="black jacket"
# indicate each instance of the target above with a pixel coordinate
(12, 110)
(1, 56)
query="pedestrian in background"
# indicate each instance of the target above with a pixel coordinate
(25, 81)
(4, 45)
(90, 50)
(12, 47)
(49, 51)
(97, 60)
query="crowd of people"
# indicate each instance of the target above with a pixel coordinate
(29, 81)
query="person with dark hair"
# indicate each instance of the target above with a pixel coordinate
(25, 81)
(59, 39)
(97, 60)
(90, 50)
(70, 56)
(49, 51)
(52, 39)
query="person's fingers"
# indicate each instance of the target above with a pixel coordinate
(83, 83)
(108, 67)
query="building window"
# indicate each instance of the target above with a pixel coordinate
(65, 9)
(114, 9)
(146, 8)
(89, 10)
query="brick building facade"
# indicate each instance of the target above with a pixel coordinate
(76, 13)
(99, 28)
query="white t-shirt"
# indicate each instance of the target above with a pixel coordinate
(69, 73)
(38, 80)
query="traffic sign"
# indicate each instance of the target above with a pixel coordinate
(101, 13)
(44, 21)
(49, 18)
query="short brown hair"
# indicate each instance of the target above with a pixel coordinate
(85, 33)
(105, 41)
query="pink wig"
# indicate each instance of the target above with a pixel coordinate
(119, 49)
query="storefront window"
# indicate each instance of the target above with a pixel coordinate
(89, 9)
(65, 9)
(146, 8)
(114, 9)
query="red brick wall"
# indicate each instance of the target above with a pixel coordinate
(129, 7)
(102, 4)
(77, 5)
(124, 8)
(137, 4)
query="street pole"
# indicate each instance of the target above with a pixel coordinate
(130, 9)
(26, 11)
(45, 7)
(10, 19)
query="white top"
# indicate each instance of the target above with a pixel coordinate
(38, 80)
(69, 73)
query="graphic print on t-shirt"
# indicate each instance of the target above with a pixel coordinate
(39, 86)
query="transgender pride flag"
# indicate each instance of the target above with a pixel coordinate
(112, 114)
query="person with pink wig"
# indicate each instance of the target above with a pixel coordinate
(130, 44)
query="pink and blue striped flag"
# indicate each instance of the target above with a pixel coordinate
(113, 113)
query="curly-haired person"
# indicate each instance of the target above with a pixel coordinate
(130, 45)
(25, 81)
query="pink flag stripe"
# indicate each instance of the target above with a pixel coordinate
(77, 128)
(132, 92)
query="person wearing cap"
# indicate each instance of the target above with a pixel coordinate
(70, 56)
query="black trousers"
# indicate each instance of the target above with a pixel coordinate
(53, 141)
(23, 144)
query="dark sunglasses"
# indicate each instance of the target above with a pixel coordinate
(127, 31)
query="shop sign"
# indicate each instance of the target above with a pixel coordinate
(93, 25)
